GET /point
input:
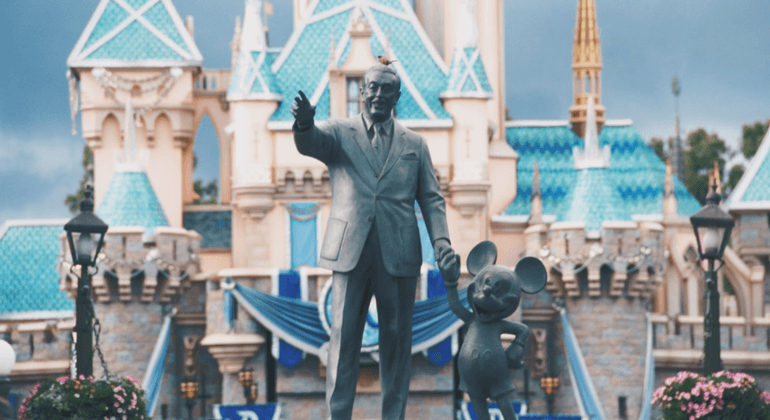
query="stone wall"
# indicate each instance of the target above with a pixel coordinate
(612, 336)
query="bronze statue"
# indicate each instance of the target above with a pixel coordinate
(493, 295)
(377, 170)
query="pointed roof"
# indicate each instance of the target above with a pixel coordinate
(135, 33)
(753, 190)
(29, 253)
(635, 182)
(130, 199)
(253, 77)
(467, 77)
(593, 199)
(304, 61)
(587, 46)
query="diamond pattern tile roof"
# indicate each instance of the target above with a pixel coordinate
(633, 185)
(131, 201)
(253, 77)
(303, 63)
(135, 33)
(29, 281)
(467, 76)
(753, 190)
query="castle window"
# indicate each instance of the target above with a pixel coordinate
(353, 96)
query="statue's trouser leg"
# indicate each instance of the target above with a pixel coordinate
(351, 294)
(395, 305)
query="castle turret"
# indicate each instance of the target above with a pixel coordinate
(586, 68)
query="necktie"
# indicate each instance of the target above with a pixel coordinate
(379, 146)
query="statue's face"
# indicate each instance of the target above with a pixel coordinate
(380, 94)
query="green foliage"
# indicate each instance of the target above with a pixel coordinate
(724, 395)
(208, 193)
(705, 149)
(752, 137)
(656, 143)
(736, 172)
(72, 201)
(85, 399)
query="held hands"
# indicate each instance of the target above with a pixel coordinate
(302, 110)
(448, 262)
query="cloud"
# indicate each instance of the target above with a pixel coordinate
(38, 155)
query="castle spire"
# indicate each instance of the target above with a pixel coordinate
(591, 156)
(669, 194)
(586, 68)
(536, 211)
(467, 77)
(253, 33)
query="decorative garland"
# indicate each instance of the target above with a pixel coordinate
(160, 84)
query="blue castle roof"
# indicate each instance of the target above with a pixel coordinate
(633, 185)
(131, 201)
(753, 190)
(467, 77)
(303, 63)
(135, 33)
(29, 282)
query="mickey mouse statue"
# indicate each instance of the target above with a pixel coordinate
(493, 295)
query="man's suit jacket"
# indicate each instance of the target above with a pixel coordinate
(361, 194)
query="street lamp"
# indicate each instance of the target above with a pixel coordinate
(712, 228)
(189, 389)
(7, 358)
(246, 379)
(549, 385)
(85, 234)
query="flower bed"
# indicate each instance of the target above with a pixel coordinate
(724, 395)
(85, 398)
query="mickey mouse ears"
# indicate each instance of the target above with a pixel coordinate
(482, 255)
(532, 275)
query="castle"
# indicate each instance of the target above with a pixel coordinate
(188, 292)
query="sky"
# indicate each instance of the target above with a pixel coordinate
(719, 50)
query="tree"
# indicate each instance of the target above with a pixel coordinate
(72, 201)
(207, 193)
(656, 143)
(752, 137)
(705, 149)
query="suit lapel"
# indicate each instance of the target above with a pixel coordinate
(396, 147)
(362, 140)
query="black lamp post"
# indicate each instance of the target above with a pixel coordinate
(85, 234)
(712, 228)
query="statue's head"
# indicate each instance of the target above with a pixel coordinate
(496, 290)
(380, 91)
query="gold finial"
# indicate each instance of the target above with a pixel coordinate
(586, 67)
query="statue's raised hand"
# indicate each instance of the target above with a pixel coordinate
(302, 110)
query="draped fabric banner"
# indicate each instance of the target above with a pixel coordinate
(269, 411)
(155, 368)
(228, 307)
(299, 322)
(303, 234)
(288, 285)
(649, 374)
(585, 393)
(441, 353)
